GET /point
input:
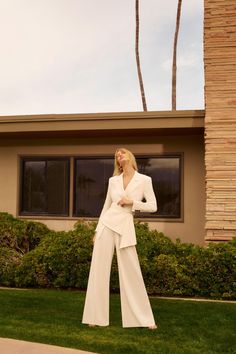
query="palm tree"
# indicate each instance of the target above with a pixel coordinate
(137, 56)
(174, 66)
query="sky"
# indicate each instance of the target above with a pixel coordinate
(78, 56)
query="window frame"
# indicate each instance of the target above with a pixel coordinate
(155, 218)
(85, 157)
(22, 160)
(139, 216)
(71, 184)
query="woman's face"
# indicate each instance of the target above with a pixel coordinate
(122, 156)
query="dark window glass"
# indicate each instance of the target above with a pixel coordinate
(45, 186)
(91, 180)
(166, 180)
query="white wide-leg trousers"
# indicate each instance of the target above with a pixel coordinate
(135, 306)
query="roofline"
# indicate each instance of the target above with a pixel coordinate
(102, 116)
(102, 122)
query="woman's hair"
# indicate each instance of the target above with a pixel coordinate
(117, 168)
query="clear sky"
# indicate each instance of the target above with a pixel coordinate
(77, 56)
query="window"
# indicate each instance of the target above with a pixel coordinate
(165, 172)
(44, 186)
(91, 179)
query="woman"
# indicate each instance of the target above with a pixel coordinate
(126, 190)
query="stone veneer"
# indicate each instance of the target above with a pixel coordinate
(220, 118)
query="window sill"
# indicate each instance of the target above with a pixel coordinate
(95, 219)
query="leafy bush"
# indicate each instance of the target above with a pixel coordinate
(190, 270)
(17, 238)
(183, 269)
(33, 256)
(20, 235)
(9, 260)
(62, 259)
(213, 269)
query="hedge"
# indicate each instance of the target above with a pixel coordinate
(20, 235)
(31, 255)
(62, 259)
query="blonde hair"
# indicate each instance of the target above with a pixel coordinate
(117, 168)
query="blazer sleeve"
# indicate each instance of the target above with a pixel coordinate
(107, 203)
(150, 204)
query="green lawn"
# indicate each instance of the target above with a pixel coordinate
(54, 317)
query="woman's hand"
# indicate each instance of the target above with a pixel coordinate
(124, 201)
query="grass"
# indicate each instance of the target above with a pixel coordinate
(54, 317)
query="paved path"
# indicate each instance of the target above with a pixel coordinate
(12, 346)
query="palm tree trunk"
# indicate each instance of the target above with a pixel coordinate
(137, 57)
(174, 66)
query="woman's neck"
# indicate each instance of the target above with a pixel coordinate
(128, 170)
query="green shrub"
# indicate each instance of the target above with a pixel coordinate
(62, 259)
(213, 269)
(20, 235)
(9, 260)
(183, 269)
(33, 256)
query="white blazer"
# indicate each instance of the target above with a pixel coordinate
(120, 219)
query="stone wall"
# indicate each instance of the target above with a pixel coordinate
(220, 118)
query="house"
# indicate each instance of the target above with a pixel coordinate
(54, 168)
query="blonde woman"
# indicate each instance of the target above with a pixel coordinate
(126, 190)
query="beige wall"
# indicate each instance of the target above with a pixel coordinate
(191, 229)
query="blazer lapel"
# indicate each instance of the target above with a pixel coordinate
(133, 183)
(119, 182)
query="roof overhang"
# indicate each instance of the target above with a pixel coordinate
(100, 124)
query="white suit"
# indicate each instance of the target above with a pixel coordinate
(116, 229)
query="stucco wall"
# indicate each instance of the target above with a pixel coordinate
(191, 229)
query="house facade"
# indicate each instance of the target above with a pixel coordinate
(54, 168)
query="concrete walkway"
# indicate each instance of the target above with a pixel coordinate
(12, 346)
